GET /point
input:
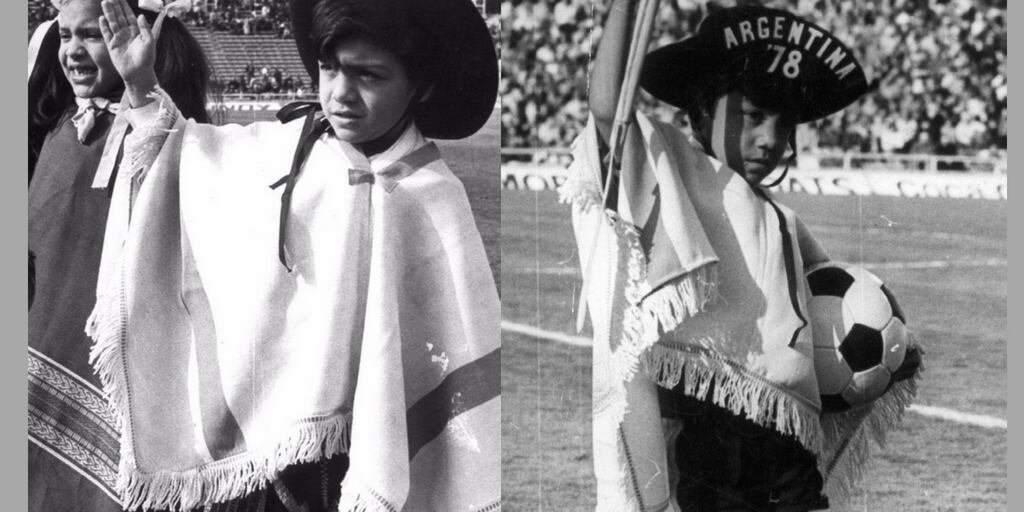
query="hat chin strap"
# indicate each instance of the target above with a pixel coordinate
(791, 160)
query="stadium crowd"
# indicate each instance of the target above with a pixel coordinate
(245, 17)
(941, 65)
(235, 16)
(265, 81)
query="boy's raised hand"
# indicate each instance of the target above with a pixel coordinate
(132, 48)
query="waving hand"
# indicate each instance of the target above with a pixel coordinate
(132, 48)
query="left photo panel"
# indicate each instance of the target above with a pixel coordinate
(264, 255)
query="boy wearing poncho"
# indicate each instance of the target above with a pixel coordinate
(280, 294)
(705, 396)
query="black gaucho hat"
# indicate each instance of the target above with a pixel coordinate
(767, 47)
(464, 64)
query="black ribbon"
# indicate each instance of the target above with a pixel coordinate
(789, 161)
(312, 128)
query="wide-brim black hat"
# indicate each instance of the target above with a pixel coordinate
(769, 48)
(466, 79)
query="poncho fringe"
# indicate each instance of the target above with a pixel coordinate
(231, 478)
(650, 314)
(848, 462)
(732, 388)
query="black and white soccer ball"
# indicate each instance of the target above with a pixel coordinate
(860, 336)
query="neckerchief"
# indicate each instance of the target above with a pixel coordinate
(85, 118)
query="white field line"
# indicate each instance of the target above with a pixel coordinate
(942, 413)
(980, 262)
(978, 420)
(882, 265)
(533, 332)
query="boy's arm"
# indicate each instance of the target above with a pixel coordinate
(810, 250)
(610, 64)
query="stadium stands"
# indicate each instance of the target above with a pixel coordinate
(243, 59)
(942, 64)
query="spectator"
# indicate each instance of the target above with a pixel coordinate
(937, 60)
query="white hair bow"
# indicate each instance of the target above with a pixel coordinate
(173, 9)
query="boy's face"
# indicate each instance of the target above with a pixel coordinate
(751, 139)
(82, 53)
(364, 91)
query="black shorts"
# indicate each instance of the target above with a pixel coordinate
(729, 463)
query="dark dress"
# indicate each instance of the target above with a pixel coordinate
(73, 447)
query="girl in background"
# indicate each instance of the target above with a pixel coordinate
(74, 142)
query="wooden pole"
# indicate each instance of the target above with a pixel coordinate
(647, 12)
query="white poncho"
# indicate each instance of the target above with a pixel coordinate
(697, 281)
(224, 368)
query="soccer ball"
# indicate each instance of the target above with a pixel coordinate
(859, 332)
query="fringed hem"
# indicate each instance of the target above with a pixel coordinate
(104, 327)
(359, 497)
(144, 142)
(733, 388)
(847, 434)
(651, 315)
(236, 476)
(579, 192)
(219, 481)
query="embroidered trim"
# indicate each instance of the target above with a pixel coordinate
(494, 506)
(631, 469)
(71, 420)
(74, 451)
(359, 497)
(64, 385)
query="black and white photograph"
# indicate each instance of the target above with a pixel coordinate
(263, 255)
(754, 255)
(521, 255)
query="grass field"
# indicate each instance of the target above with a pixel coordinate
(475, 160)
(945, 259)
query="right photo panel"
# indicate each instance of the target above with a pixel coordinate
(753, 255)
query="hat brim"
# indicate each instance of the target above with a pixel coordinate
(466, 85)
(679, 73)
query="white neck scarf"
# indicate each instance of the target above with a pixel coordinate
(85, 118)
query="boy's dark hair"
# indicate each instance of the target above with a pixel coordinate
(380, 22)
(181, 68)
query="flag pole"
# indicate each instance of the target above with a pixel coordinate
(643, 27)
(647, 12)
